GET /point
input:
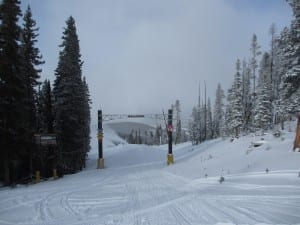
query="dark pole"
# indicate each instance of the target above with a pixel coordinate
(170, 159)
(170, 129)
(100, 141)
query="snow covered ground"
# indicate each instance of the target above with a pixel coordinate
(137, 187)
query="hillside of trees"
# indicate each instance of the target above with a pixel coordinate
(264, 93)
(30, 108)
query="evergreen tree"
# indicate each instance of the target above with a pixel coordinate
(87, 116)
(246, 96)
(205, 114)
(177, 110)
(254, 49)
(218, 114)
(283, 49)
(292, 77)
(272, 53)
(202, 125)
(158, 135)
(287, 67)
(12, 91)
(131, 138)
(194, 131)
(45, 111)
(283, 46)
(31, 59)
(69, 103)
(263, 108)
(234, 109)
(228, 111)
(209, 121)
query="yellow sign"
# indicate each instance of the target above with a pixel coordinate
(100, 136)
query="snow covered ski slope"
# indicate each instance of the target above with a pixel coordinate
(137, 187)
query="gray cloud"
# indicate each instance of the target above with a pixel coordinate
(140, 56)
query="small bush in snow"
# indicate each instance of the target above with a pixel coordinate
(299, 174)
(267, 170)
(207, 175)
(268, 147)
(277, 133)
(221, 180)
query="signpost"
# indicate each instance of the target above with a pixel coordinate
(45, 140)
(136, 116)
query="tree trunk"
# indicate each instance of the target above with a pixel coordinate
(30, 165)
(282, 122)
(297, 138)
(6, 172)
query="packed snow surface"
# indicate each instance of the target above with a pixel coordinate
(261, 186)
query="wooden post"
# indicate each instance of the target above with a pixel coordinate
(55, 173)
(37, 176)
(297, 138)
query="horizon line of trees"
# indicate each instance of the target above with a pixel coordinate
(265, 90)
(29, 107)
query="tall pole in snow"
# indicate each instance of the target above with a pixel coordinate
(100, 141)
(170, 158)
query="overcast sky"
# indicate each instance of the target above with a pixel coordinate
(141, 55)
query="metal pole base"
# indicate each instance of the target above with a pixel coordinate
(55, 174)
(37, 176)
(170, 159)
(100, 163)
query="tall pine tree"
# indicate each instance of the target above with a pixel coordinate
(70, 103)
(246, 96)
(292, 78)
(209, 121)
(234, 118)
(218, 114)
(12, 91)
(31, 59)
(87, 117)
(255, 52)
(263, 107)
(45, 109)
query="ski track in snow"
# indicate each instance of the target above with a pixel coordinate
(151, 194)
(153, 197)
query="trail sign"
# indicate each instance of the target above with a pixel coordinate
(45, 139)
(136, 116)
(170, 128)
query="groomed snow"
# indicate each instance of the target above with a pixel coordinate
(137, 187)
